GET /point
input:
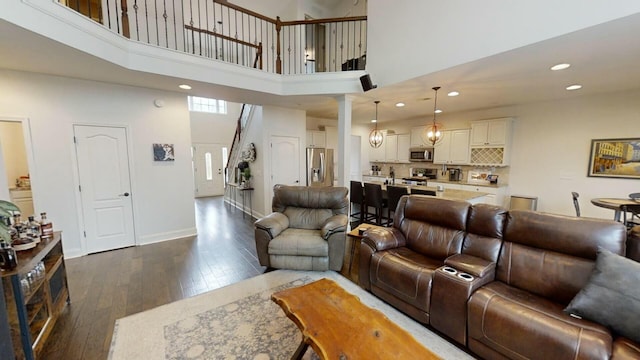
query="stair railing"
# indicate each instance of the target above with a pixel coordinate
(223, 31)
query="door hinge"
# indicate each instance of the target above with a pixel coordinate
(80, 188)
(75, 141)
(85, 233)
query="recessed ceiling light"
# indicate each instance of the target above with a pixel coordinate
(400, 104)
(453, 93)
(374, 121)
(185, 87)
(560, 66)
(574, 87)
(438, 111)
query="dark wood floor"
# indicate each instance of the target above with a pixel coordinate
(107, 286)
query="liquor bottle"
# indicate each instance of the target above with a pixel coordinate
(34, 230)
(46, 226)
(8, 259)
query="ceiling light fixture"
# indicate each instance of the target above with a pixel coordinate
(184, 87)
(434, 133)
(400, 104)
(560, 67)
(453, 93)
(375, 136)
(574, 87)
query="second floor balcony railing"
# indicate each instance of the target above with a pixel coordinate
(219, 30)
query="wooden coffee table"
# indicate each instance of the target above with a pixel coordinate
(338, 326)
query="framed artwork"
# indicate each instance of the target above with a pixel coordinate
(163, 152)
(615, 158)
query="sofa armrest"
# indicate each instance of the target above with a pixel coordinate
(470, 264)
(384, 238)
(334, 224)
(273, 223)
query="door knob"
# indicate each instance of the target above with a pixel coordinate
(125, 194)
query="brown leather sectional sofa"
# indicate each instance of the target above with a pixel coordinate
(495, 281)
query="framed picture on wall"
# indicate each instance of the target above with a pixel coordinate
(163, 152)
(615, 158)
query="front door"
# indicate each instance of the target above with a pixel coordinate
(105, 187)
(207, 170)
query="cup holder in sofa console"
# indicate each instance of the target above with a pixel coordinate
(449, 270)
(465, 277)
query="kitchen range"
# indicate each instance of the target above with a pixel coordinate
(419, 176)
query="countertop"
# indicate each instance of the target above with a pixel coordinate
(445, 181)
(451, 194)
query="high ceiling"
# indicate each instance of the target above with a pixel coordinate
(604, 58)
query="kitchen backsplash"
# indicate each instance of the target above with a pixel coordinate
(402, 170)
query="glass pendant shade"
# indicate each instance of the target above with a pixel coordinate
(434, 132)
(375, 136)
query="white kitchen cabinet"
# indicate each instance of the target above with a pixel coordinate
(396, 148)
(490, 132)
(490, 142)
(23, 200)
(378, 154)
(419, 138)
(404, 143)
(391, 148)
(316, 138)
(453, 149)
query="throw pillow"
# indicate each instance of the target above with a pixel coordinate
(612, 295)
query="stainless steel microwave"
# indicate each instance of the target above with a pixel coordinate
(421, 154)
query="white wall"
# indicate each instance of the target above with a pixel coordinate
(448, 33)
(268, 121)
(210, 128)
(162, 192)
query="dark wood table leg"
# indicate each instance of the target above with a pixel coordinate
(300, 351)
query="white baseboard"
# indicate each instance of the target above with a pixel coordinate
(170, 235)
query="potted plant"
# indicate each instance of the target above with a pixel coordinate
(246, 175)
(6, 212)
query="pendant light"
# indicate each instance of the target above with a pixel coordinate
(434, 133)
(375, 136)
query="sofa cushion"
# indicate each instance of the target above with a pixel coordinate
(624, 348)
(520, 325)
(612, 296)
(307, 218)
(299, 242)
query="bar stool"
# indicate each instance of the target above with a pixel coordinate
(373, 198)
(394, 193)
(356, 196)
(423, 192)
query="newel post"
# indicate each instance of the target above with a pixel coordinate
(278, 60)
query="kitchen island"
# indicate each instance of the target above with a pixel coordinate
(473, 197)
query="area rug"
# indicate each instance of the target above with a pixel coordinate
(240, 321)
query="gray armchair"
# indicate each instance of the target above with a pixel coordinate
(306, 230)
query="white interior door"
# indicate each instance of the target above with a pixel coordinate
(285, 160)
(105, 187)
(208, 170)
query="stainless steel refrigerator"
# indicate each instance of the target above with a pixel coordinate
(319, 167)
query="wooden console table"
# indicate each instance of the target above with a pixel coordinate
(34, 296)
(338, 326)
